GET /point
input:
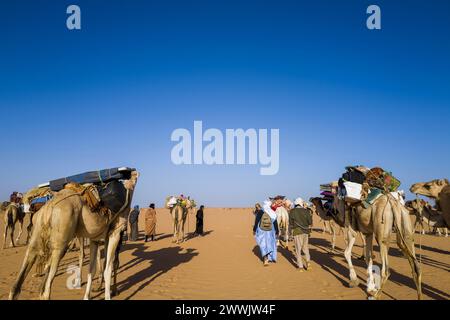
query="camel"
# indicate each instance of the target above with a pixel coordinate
(425, 213)
(283, 224)
(179, 215)
(378, 221)
(13, 214)
(322, 213)
(61, 219)
(438, 189)
(31, 209)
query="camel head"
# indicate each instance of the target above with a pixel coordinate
(316, 202)
(429, 189)
(288, 204)
(415, 206)
(4, 205)
(131, 183)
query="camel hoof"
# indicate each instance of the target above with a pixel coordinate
(353, 283)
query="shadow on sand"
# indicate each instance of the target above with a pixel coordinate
(160, 262)
(340, 271)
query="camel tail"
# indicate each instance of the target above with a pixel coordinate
(405, 241)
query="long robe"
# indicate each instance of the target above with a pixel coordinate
(199, 224)
(150, 221)
(267, 240)
(134, 218)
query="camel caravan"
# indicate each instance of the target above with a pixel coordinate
(95, 205)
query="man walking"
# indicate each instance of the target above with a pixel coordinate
(150, 222)
(300, 221)
(199, 222)
(134, 216)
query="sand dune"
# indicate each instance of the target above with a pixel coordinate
(225, 264)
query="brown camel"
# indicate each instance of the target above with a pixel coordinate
(426, 215)
(378, 221)
(13, 214)
(438, 189)
(65, 217)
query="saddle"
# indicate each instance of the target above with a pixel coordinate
(88, 192)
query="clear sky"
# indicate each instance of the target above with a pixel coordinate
(111, 93)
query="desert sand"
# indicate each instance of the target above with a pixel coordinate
(225, 264)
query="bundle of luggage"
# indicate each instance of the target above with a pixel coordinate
(181, 200)
(328, 190)
(102, 190)
(280, 201)
(359, 182)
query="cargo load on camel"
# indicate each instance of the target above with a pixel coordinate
(361, 184)
(102, 190)
(181, 200)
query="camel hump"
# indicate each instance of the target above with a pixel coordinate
(62, 195)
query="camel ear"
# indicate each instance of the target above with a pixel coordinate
(442, 182)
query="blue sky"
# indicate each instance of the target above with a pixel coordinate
(112, 93)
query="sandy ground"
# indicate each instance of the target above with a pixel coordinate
(225, 264)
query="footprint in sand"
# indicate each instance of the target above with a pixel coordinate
(325, 283)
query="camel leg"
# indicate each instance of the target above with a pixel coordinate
(93, 249)
(182, 230)
(333, 238)
(55, 258)
(364, 251)
(81, 259)
(110, 257)
(20, 231)
(405, 242)
(100, 268)
(178, 232)
(175, 226)
(354, 282)
(5, 235)
(11, 235)
(115, 291)
(287, 237)
(28, 261)
(384, 254)
(93, 252)
(29, 228)
(371, 285)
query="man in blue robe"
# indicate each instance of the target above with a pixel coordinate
(266, 239)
